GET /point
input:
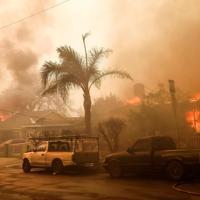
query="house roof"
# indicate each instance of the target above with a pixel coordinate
(38, 119)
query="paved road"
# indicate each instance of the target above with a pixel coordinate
(41, 185)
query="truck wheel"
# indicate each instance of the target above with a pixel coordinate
(57, 167)
(175, 170)
(114, 169)
(26, 166)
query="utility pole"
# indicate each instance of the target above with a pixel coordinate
(172, 90)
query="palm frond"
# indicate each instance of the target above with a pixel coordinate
(69, 55)
(116, 73)
(96, 54)
(72, 62)
(51, 89)
(61, 86)
(93, 75)
(68, 80)
(48, 70)
(92, 72)
(84, 36)
(65, 83)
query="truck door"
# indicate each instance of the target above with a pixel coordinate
(60, 149)
(38, 157)
(141, 155)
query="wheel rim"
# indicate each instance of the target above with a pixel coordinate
(175, 170)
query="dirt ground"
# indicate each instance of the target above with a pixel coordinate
(42, 185)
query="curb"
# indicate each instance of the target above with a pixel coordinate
(176, 187)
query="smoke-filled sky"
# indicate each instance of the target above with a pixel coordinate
(153, 40)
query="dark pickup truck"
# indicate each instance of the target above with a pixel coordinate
(154, 154)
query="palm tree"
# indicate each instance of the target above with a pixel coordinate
(76, 71)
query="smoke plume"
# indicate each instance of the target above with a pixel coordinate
(20, 55)
(157, 40)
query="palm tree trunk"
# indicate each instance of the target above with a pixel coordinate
(87, 108)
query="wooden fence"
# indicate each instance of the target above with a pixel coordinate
(188, 142)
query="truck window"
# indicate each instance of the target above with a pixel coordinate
(164, 144)
(59, 147)
(52, 147)
(142, 146)
(64, 147)
(41, 147)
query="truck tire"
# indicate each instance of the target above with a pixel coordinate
(57, 166)
(175, 170)
(26, 166)
(114, 169)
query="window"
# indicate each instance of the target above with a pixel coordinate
(164, 143)
(53, 146)
(142, 145)
(41, 147)
(64, 147)
(59, 147)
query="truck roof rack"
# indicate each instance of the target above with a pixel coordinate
(62, 137)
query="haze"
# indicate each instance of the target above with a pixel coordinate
(153, 40)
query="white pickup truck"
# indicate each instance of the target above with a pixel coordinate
(60, 153)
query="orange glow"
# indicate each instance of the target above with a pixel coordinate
(196, 97)
(3, 117)
(193, 117)
(134, 101)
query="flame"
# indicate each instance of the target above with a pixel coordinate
(196, 97)
(193, 117)
(134, 101)
(3, 117)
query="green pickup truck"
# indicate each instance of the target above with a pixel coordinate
(154, 154)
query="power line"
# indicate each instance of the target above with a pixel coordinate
(33, 15)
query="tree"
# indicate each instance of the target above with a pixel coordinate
(105, 107)
(75, 71)
(111, 130)
(145, 120)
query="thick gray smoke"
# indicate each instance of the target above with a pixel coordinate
(20, 57)
(153, 40)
